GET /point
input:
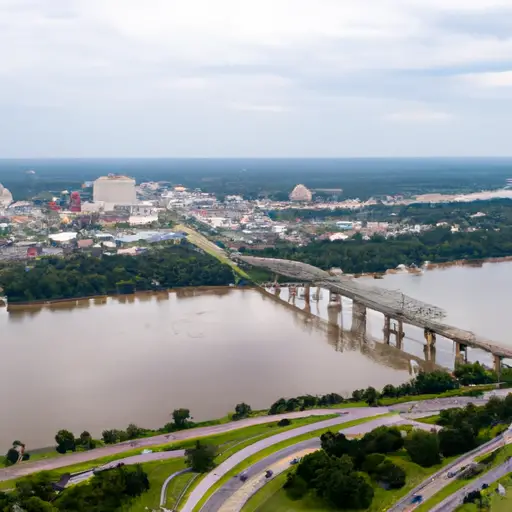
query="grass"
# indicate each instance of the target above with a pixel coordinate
(226, 440)
(498, 457)
(273, 498)
(431, 420)
(176, 487)
(157, 472)
(249, 461)
(495, 502)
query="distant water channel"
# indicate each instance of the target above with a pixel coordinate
(105, 363)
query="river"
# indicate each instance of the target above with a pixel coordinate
(105, 363)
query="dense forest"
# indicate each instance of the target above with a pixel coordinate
(83, 275)
(497, 213)
(379, 254)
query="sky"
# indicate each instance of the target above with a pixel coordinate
(260, 78)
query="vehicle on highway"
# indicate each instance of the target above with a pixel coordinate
(485, 486)
(451, 474)
(243, 476)
(417, 499)
(268, 473)
(295, 461)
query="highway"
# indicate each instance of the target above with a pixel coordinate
(439, 480)
(213, 477)
(233, 494)
(456, 499)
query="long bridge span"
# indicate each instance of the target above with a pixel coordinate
(396, 307)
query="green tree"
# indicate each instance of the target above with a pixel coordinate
(390, 474)
(382, 440)
(423, 448)
(38, 485)
(242, 411)
(371, 396)
(454, 441)
(180, 418)
(201, 458)
(65, 441)
(35, 504)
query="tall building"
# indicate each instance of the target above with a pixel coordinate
(301, 193)
(114, 189)
(75, 203)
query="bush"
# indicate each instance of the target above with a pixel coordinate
(382, 440)
(284, 422)
(423, 448)
(391, 475)
(372, 461)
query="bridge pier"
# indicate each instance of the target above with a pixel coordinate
(358, 318)
(461, 353)
(307, 293)
(334, 300)
(387, 328)
(497, 365)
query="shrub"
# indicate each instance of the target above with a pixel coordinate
(284, 422)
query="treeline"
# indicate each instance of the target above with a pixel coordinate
(435, 382)
(379, 254)
(107, 491)
(498, 213)
(83, 276)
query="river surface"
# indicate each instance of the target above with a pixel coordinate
(104, 363)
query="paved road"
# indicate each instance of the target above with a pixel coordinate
(440, 479)
(453, 501)
(134, 459)
(211, 478)
(27, 468)
(234, 493)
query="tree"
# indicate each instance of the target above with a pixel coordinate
(242, 411)
(284, 422)
(423, 448)
(180, 418)
(201, 457)
(437, 381)
(65, 441)
(357, 395)
(12, 456)
(390, 474)
(382, 440)
(389, 391)
(35, 504)
(134, 432)
(337, 444)
(454, 441)
(86, 441)
(278, 407)
(371, 396)
(38, 484)
(110, 436)
(372, 461)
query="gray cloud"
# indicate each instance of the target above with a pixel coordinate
(267, 78)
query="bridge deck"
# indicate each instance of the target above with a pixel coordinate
(394, 304)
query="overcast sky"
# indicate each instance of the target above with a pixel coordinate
(255, 78)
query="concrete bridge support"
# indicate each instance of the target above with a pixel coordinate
(387, 329)
(497, 366)
(461, 353)
(307, 293)
(358, 318)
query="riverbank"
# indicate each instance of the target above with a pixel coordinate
(121, 297)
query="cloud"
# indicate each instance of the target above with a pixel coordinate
(218, 63)
(274, 109)
(419, 116)
(492, 79)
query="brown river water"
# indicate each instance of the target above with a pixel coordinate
(104, 363)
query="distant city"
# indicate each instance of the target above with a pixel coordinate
(114, 214)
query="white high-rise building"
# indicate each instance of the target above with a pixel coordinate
(114, 189)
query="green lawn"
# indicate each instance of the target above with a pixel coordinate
(495, 502)
(225, 441)
(272, 498)
(176, 487)
(157, 472)
(431, 420)
(501, 456)
(275, 448)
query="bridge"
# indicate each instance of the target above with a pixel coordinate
(396, 307)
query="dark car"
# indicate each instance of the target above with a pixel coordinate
(268, 473)
(243, 476)
(295, 461)
(417, 499)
